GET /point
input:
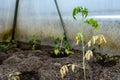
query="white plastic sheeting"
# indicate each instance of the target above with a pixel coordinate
(6, 17)
(100, 6)
(40, 18)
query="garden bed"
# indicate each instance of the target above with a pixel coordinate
(39, 65)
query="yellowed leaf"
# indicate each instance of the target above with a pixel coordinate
(89, 43)
(73, 67)
(18, 73)
(89, 55)
(63, 71)
(94, 39)
(101, 40)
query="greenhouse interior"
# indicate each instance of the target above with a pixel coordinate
(59, 40)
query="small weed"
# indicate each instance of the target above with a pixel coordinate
(33, 43)
(4, 48)
(8, 43)
(106, 59)
(61, 47)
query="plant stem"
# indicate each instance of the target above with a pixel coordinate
(83, 51)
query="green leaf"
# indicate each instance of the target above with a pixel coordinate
(76, 11)
(38, 41)
(33, 48)
(67, 51)
(85, 12)
(92, 23)
(79, 36)
(66, 44)
(7, 40)
(31, 41)
(56, 41)
(80, 9)
(4, 48)
(56, 51)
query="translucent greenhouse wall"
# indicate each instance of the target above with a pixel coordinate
(6, 18)
(41, 19)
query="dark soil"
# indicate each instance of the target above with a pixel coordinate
(40, 65)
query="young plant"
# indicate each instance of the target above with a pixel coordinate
(58, 47)
(106, 60)
(99, 39)
(33, 43)
(8, 43)
(4, 48)
(66, 45)
(11, 43)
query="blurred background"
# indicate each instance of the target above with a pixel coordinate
(42, 19)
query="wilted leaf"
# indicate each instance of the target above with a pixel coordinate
(89, 43)
(94, 39)
(89, 55)
(98, 39)
(17, 77)
(18, 73)
(73, 67)
(101, 40)
(14, 76)
(63, 71)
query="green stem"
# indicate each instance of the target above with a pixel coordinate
(83, 51)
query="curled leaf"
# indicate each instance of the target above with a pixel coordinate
(94, 39)
(92, 22)
(80, 9)
(62, 72)
(98, 39)
(89, 55)
(89, 43)
(101, 40)
(76, 10)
